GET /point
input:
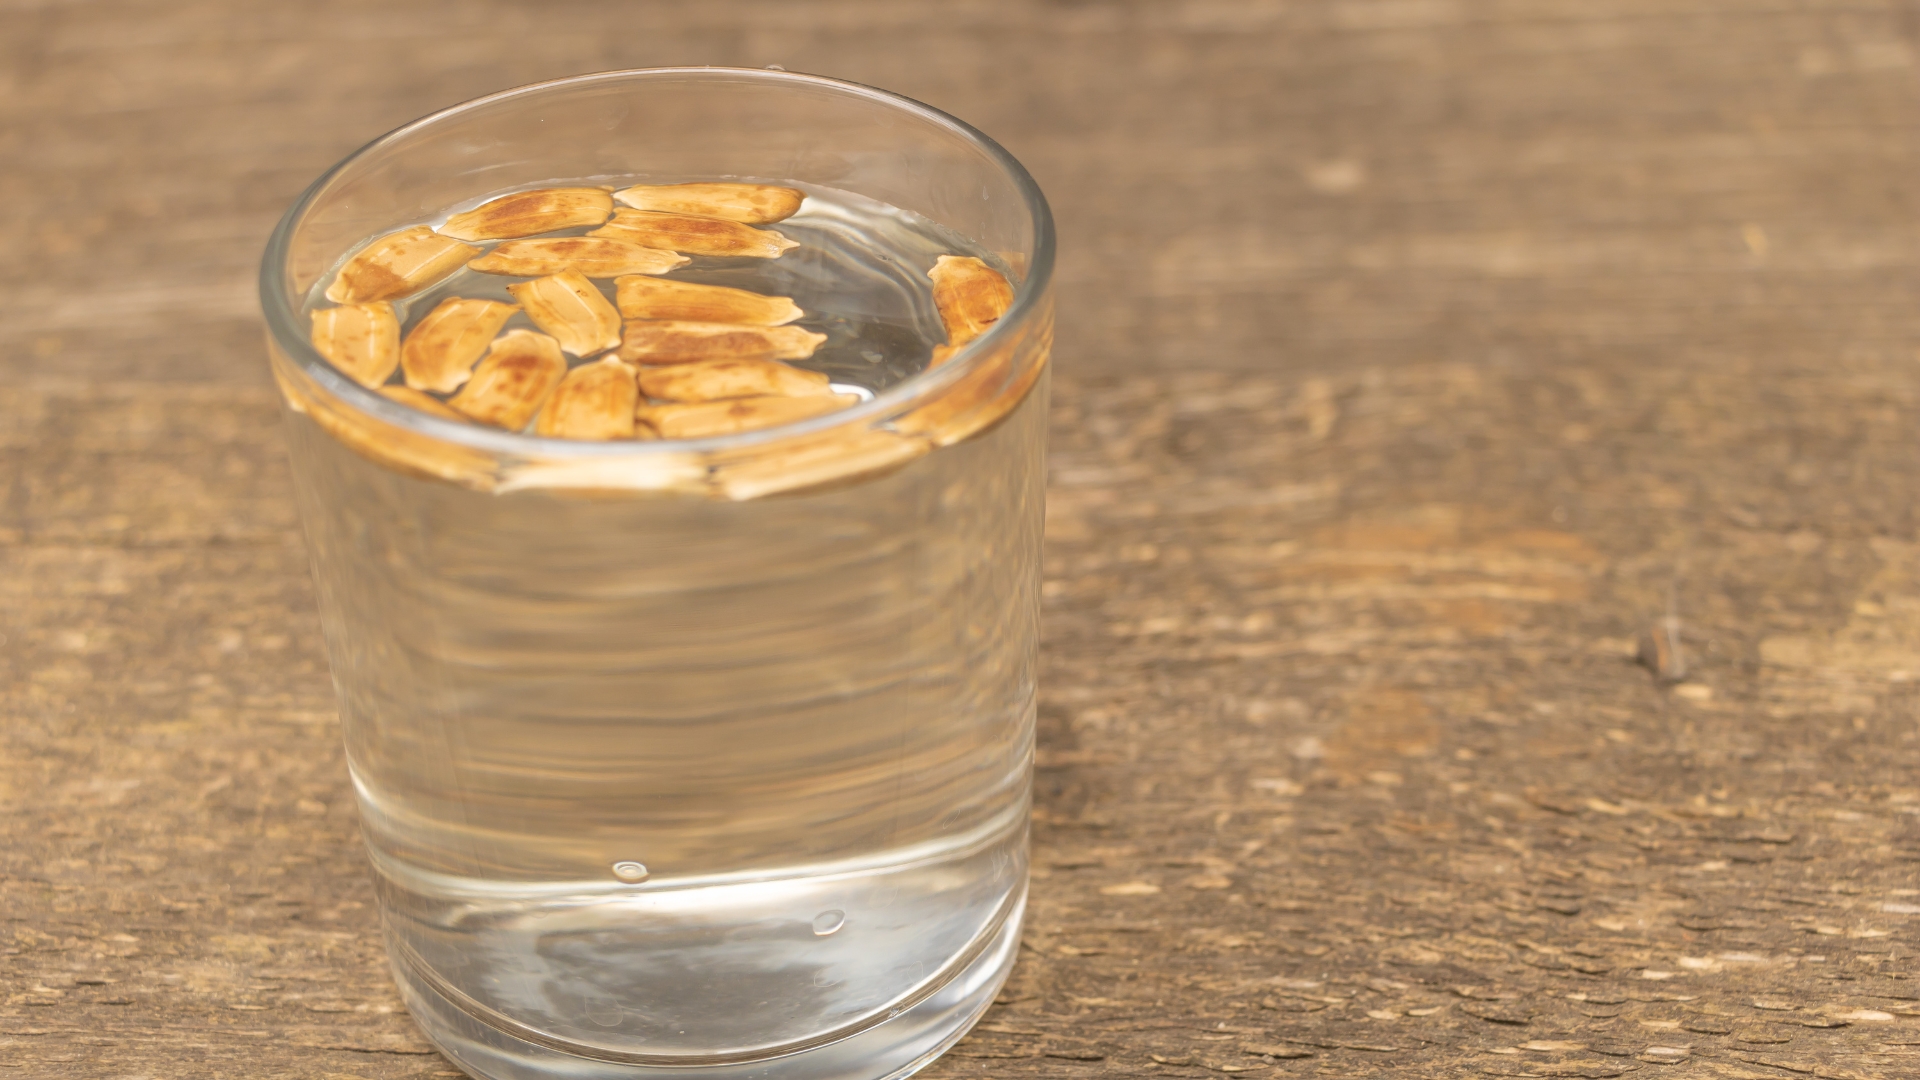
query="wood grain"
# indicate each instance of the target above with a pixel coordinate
(1416, 357)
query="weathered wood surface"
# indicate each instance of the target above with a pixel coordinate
(1416, 356)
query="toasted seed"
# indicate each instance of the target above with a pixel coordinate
(426, 403)
(362, 340)
(715, 380)
(386, 444)
(593, 256)
(441, 348)
(663, 298)
(568, 306)
(834, 458)
(694, 235)
(979, 400)
(970, 294)
(594, 401)
(397, 264)
(699, 420)
(511, 383)
(614, 475)
(1000, 379)
(670, 342)
(755, 204)
(1660, 651)
(524, 213)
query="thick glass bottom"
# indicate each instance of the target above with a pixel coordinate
(897, 1047)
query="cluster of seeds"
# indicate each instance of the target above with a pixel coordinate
(662, 359)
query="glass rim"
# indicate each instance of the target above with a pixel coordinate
(283, 321)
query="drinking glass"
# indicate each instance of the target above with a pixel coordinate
(707, 757)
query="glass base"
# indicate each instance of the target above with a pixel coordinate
(895, 1048)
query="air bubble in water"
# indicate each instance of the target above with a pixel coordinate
(631, 872)
(828, 922)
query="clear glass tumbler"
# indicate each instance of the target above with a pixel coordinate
(713, 756)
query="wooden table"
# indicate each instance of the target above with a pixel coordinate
(1416, 357)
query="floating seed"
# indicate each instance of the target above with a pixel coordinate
(694, 235)
(362, 340)
(698, 421)
(511, 383)
(426, 403)
(755, 204)
(668, 342)
(661, 298)
(717, 380)
(397, 264)
(592, 256)
(524, 213)
(824, 460)
(995, 386)
(386, 444)
(594, 401)
(440, 349)
(568, 306)
(970, 294)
